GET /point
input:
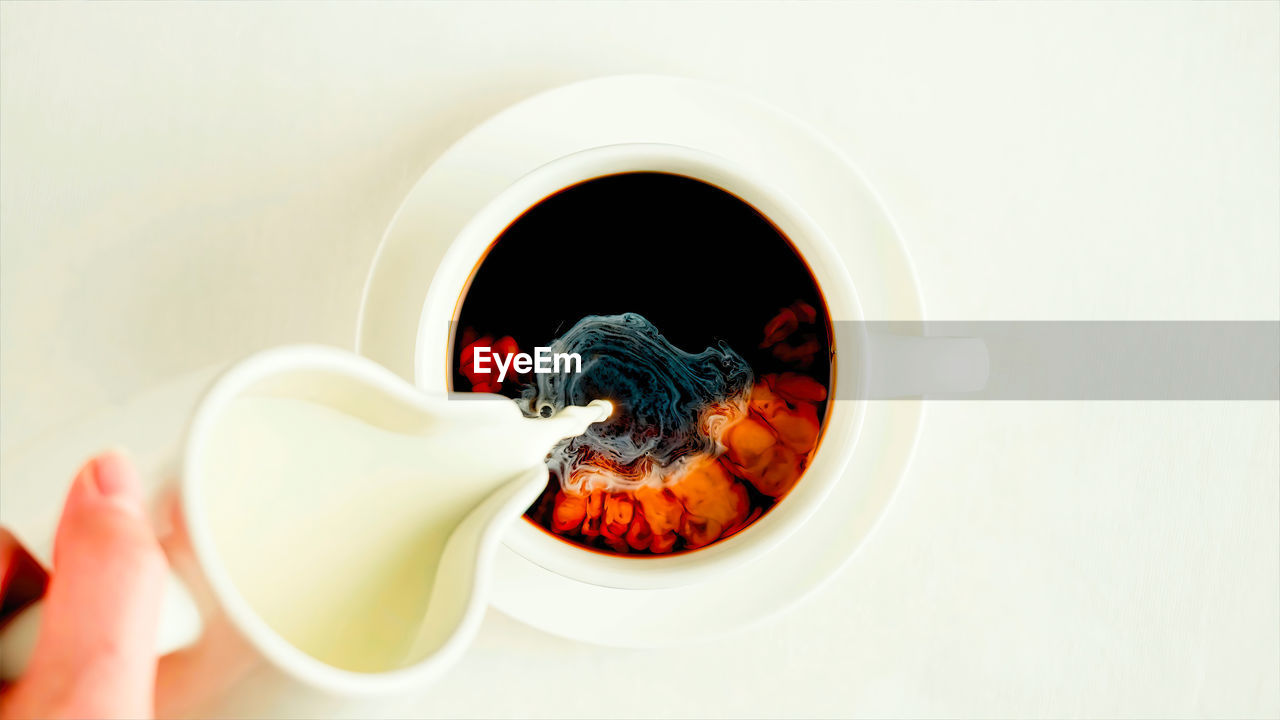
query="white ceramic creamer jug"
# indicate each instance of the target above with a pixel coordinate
(345, 519)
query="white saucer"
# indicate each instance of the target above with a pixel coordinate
(797, 161)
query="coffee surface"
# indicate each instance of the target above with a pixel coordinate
(710, 276)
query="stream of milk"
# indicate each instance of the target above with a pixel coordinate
(332, 528)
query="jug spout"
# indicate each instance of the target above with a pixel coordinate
(459, 595)
(573, 420)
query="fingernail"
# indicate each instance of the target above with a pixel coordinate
(114, 475)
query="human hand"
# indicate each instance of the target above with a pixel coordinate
(95, 656)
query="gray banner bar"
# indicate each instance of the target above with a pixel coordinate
(1068, 360)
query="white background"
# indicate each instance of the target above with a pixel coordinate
(182, 184)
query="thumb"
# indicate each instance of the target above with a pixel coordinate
(95, 656)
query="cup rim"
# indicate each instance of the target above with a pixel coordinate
(457, 267)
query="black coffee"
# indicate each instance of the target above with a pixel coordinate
(739, 359)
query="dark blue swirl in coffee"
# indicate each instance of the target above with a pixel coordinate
(669, 404)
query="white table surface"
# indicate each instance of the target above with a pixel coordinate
(182, 184)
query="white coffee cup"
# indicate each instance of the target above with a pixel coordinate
(894, 365)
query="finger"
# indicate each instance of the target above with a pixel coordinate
(96, 651)
(176, 544)
(189, 679)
